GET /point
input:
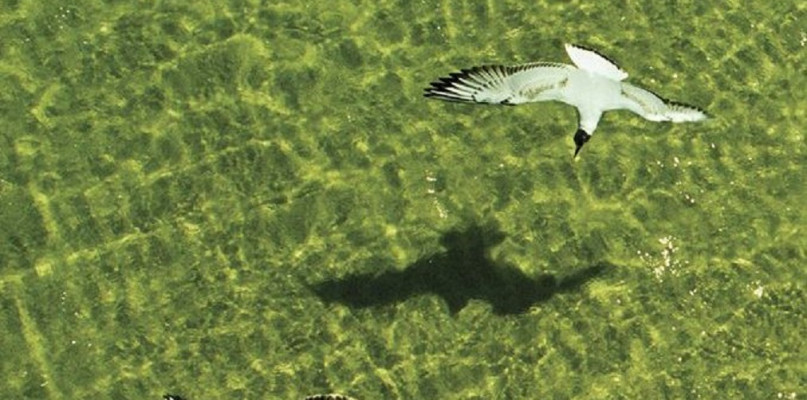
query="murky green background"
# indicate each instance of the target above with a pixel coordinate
(175, 176)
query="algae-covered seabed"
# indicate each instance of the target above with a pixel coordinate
(179, 179)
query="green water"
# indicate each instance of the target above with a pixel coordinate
(176, 177)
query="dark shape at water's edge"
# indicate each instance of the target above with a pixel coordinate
(461, 273)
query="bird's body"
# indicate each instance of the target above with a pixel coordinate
(593, 85)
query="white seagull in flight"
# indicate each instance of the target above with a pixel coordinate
(594, 86)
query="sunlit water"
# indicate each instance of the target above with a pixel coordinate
(177, 179)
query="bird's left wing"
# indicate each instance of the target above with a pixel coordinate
(652, 107)
(499, 84)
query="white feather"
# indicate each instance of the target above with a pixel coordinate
(594, 62)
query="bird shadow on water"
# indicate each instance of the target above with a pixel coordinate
(464, 271)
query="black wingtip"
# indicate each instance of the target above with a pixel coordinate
(609, 59)
(680, 104)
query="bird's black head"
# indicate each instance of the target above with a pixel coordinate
(580, 138)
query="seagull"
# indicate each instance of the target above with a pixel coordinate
(593, 85)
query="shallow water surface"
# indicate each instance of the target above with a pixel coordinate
(255, 201)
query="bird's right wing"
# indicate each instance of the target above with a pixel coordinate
(592, 61)
(652, 107)
(499, 84)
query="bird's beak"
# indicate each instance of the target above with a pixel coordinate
(580, 138)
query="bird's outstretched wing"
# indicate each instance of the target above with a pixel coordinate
(592, 61)
(499, 84)
(653, 107)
